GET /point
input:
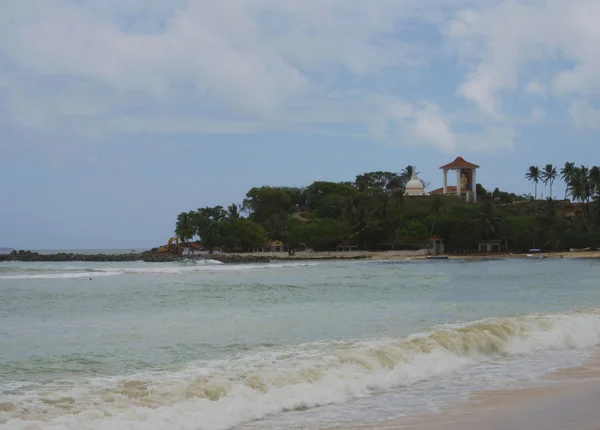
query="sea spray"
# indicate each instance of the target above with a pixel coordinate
(220, 394)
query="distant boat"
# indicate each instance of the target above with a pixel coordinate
(437, 257)
(535, 253)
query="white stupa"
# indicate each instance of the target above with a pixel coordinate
(414, 187)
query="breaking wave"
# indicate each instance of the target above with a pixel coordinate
(269, 380)
(153, 268)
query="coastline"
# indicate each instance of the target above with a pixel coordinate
(570, 399)
(29, 256)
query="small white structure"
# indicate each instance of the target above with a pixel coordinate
(414, 187)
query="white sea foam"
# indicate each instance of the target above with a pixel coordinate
(152, 268)
(222, 394)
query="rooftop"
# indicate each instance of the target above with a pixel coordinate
(459, 163)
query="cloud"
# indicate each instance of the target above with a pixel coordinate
(538, 113)
(431, 127)
(534, 88)
(584, 115)
(501, 44)
(89, 68)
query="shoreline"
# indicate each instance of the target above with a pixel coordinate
(570, 399)
(29, 256)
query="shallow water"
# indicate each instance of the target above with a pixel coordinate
(281, 345)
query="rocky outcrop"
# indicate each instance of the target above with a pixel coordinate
(148, 256)
(154, 257)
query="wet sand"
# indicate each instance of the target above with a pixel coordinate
(571, 401)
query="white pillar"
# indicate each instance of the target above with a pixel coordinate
(458, 182)
(445, 181)
(474, 184)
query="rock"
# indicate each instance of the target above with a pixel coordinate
(154, 257)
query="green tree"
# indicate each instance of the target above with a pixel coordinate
(322, 234)
(242, 234)
(566, 174)
(377, 183)
(549, 175)
(261, 203)
(206, 225)
(233, 211)
(594, 179)
(488, 220)
(184, 227)
(533, 175)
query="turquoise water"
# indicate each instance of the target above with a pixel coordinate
(202, 345)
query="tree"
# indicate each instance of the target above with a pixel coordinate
(594, 179)
(322, 234)
(533, 175)
(407, 173)
(261, 203)
(242, 234)
(566, 174)
(580, 190)
(233, 211)
(376, 183)
(488, 220)
(184, 227)
(206, 225)
(549, 175)
(436, 210)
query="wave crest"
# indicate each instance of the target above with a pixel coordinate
(225, 393)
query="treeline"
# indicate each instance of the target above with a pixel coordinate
(372, 213)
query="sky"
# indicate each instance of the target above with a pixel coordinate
(117, 115)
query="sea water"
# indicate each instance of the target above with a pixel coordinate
(203, 345)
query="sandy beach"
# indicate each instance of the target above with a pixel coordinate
(498, 256)
(570, 400)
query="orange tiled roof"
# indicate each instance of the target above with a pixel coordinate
(459, 163)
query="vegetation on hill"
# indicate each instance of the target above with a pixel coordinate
(372, 213)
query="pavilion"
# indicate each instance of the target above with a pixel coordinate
(466, 181)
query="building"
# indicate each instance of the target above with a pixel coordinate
(490, 246)
(414, 187)
(437, 244)
(466, 180)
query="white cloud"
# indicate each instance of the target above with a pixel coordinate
(534, 88)
(584, 115)
(244, 66)
(501, 42)
(431, 127)
(538, 113)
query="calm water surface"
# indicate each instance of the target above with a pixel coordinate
(281, 345)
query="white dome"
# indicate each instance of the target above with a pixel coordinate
(414, 183)
(415, 187)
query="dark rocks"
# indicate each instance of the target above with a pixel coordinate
(154, 257)
(148, 256)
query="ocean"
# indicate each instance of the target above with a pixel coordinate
(282, 345)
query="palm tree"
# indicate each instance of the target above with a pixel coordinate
(580, 190)
(489, 220)
(233, 211)
(549, 175)
(184, 227)
(407, 173)
(580, 185)
(594, 178)
(533, 175)
(566, 173)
